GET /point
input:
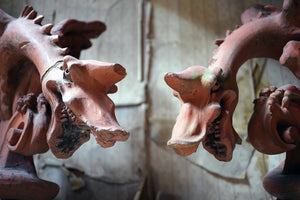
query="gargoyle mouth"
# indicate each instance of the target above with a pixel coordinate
(71, 131)
(213, 137)
(221, 137)
(214, 141)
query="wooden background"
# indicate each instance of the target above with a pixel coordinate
(150, 38)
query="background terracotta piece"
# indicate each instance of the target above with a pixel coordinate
(209, 96)
(49, 98)
(279, 110)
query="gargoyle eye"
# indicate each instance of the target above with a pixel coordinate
(215, 87)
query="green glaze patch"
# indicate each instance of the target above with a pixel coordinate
(208, 78)
(196, 75)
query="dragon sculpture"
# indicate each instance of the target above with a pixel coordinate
(49, 98)
(208, 96)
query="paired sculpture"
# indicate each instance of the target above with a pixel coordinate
(208, 96)
(49, 98)
(52, 100)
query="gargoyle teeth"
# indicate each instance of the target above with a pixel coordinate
(217, 132)
(64, 119)
(47, 28)
(217, 139)
(72, 116)
(38, 20)
(208, 144)
(68, 115)
(221, 149)
(64, 112)
(213, 138)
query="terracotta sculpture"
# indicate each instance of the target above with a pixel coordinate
(208, 96)
(49, 98)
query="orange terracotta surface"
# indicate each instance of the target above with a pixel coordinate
(49, 98)
(208, 96)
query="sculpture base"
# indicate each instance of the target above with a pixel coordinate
(19, 184)
(18, 178)
(283, 186)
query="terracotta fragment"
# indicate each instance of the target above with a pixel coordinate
(208, 96)
(49, 98)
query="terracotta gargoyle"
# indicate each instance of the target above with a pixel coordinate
(208, 96)
(49, 98)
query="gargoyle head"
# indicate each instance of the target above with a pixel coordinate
(77, 92)
(205, 113)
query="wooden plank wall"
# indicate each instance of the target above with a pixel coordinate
(150, 38)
